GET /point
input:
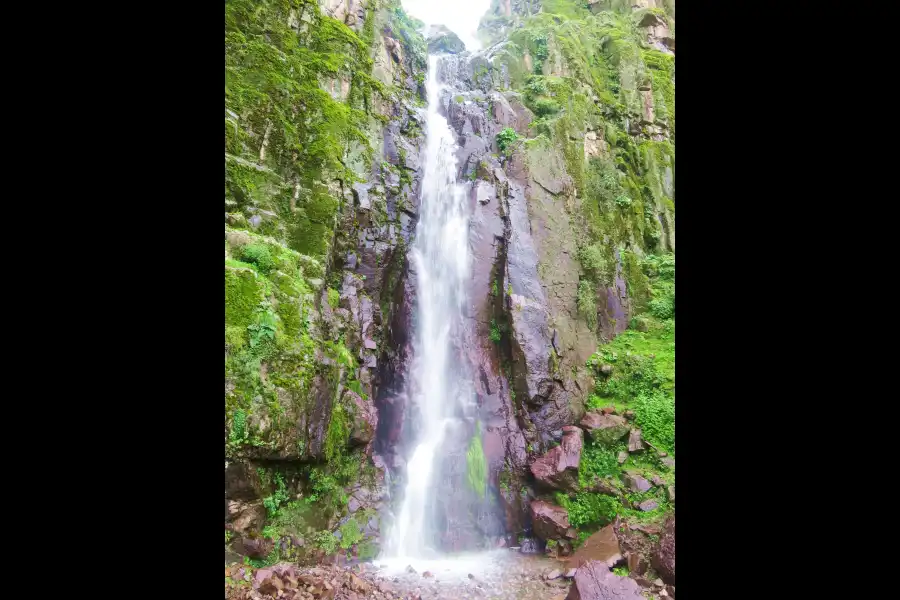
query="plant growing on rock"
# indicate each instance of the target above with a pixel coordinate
(505, 139)
(477, 463)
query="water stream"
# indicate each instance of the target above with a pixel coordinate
(441, 262)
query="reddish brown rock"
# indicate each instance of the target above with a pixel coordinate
(604, 429)
(255, 547)
(637, 565)
(603, 546)
(558, 468)
(365, 418)
(549, 520)
(663, 558)
(594, 581)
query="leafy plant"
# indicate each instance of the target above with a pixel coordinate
(333, 298)
(350, 533)
(326, 541)
(494, 334)
(505, 139)
(588, 508)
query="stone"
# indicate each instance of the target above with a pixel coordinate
(246, 517)
(670, 492)
(558, 468)
(663, 557)
(427, 574)
(604, 429)
(594, 581)
(623, 456)
(549, 520)
(256, 547)
(409, 569)
(606, 370)
(648, 505)
(668, 461)
(634, 441)
(602, 546)
(443, 41)
(554, 574)
(658, 582)
(570, 573)
(637, 565)
(609, 410)
(637, 483)
(657, 480)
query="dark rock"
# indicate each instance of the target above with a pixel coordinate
(602, 546)
(558, 468)
(648, 505)
(606, 370)
(604, 429)
(623, 456)
(529, 546)
(594, 581)
(637, 483)
(256, 547)
(441, 40)
(549, 520)
(663, 557)
(657, 480)
(365, 418)
(634, 441)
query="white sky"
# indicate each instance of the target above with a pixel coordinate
(461, 16)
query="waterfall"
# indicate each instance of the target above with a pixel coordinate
(441, 259)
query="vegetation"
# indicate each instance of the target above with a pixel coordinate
(505, 139)
(477, 463)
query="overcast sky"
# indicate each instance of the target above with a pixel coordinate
(461, 16)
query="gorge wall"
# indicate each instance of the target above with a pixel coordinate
(566, 129)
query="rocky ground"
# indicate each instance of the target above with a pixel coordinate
(501, 574)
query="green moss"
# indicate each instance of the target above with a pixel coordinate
(338, 432)
(351, 534)
(477, 464)
(243, 293)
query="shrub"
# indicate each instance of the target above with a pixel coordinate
(588, 508)
(258, 255)
(655, 414)
(593, 261)
(544, 107)
(505, 138)
(495, 332)
(333, 298)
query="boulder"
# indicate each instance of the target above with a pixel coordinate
(603, 546)
(663, 557)
(247, 517)
(648, 505)
(365, 418)
(634, 441)
(637, 483)
(594, 581)
(549, 520)
(558, 468)
(441, 40)
(604, 429)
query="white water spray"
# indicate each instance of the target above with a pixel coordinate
(441, 256)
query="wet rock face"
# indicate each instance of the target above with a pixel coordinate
(594, 581)
(558, 468)
(602, 546)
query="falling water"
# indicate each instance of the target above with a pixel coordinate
(441, 259)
